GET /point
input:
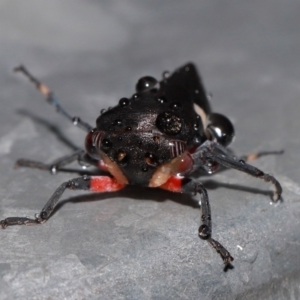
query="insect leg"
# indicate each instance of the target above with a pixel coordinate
(216, 147)
(53, 167)
(51, 98)
(91, 183)
(187, 185)
(211, 153)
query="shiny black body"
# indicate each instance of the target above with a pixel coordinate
(158, 121)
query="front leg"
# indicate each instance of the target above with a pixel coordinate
(211, 153)
(91, 183)
(186, 185)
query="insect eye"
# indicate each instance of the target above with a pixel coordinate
(220, 129)
(106, 144)
(145, 84)
(161, 100)
(90, 145)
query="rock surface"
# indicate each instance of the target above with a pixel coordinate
(141, 243)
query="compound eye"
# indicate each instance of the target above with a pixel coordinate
(219, 128)
(145, 84)
(92, 143)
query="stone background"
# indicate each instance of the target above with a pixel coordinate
(141, 243)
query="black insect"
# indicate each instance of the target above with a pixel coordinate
(164, 132)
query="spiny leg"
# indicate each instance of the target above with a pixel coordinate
(248, 169)
(91, 183)
(186, 185)
(212, 152)
(51, 98)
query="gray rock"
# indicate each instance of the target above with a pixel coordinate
(141, 243)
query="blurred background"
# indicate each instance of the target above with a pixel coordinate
(143, 244)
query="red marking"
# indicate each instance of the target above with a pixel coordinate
(173, 184)
(104, 184)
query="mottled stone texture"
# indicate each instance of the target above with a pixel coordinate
(141, 243)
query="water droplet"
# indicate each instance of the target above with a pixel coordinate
(102, 111)
(220, 128)
(145, 168)
(75, 120)
(106, 144)
(53, 170)
(241, 161)
(117, 122)
(145, 84)
(165, 74)
(43, 215)
(209, 95)
(197, 123)
(135, 96)
(120, 138)
(123, 102)
(169, 123)
(175, 105)
(161, 100)
(211, 167)
(128, 128)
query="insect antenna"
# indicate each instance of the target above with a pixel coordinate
(52, 99)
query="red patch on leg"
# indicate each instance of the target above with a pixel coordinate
(104, 184)
(173, 184)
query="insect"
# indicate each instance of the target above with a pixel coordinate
(156, 138)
